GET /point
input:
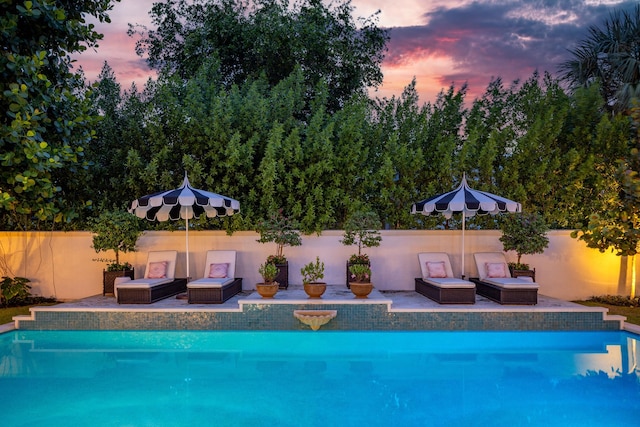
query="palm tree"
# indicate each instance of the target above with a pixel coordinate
(610, 57)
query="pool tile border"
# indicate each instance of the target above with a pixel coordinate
(380, 312)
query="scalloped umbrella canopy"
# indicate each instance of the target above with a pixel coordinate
(184, 202)
(467, 201)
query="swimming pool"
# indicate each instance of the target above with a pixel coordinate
(65, 378)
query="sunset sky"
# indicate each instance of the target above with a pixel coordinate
(439, 42)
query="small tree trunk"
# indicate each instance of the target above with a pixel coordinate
(633, 276)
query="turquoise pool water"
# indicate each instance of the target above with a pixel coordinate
(319, 379)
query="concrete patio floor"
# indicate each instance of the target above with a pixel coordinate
(396, 300)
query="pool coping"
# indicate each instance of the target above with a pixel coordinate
(396, 305)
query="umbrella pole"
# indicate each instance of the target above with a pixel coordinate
(463, 226)
(188, 277)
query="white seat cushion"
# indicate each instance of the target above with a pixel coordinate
(449, 282)
(482, 258)
(511, 283)
(143, 283)
(209, 282)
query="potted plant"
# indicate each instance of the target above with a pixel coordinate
(361, 229)
(282, 231)
(360, 280)
(269, 287)
(524, 233)
(115, 231)
(312, 273)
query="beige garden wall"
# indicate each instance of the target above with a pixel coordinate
(60, 264)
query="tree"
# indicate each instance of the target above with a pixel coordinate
(116, 231)
(361, 229)
(609, 56)
(45, 122)
(617, 225)
(524, 233)
(267, 37)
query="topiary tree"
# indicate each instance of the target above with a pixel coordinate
(115, 231)
(282, 231)
(524, 233)
(361, 229)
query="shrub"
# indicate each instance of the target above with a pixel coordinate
(13, 290)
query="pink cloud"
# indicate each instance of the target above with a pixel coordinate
(439, 42)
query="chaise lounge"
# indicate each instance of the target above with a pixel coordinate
(437, 281)
(495, 282)
(218, 283)
(159, 281)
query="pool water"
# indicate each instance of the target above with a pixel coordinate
(320, 378)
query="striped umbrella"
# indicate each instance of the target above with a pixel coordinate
(467, 201)
(184, 202)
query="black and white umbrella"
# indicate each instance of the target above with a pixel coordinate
(184, 202)
(467, 201)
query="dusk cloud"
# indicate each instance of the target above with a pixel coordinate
(439, 42)
(489, 39)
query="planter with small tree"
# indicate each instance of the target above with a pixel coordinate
(312, 273)
(524, 233)
(269, 287)
(361, 229)
(282, 231)
(115, 231)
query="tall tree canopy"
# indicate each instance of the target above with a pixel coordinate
(270, 37)
(44, 117)
(609, 56)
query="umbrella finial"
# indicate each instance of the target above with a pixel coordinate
(186, 183)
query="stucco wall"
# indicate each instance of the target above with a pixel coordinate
(61, 264)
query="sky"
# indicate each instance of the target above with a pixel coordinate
(438, 42)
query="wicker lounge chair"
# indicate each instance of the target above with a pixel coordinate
(159, 281)
(495, 282)
(444, 290)
(218, 283)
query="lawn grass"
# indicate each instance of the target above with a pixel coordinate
(631, 313)
(6, 314)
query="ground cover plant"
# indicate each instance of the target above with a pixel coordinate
(16, 298)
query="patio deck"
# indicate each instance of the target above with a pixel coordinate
(383, 310)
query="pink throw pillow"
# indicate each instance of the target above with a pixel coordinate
(157, 270)
(436, 269)
(496, 269)
(217, 271)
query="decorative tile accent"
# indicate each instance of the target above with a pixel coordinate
(279, 316)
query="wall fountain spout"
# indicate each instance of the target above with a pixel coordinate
(315, 318)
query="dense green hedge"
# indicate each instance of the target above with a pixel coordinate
(272, 149)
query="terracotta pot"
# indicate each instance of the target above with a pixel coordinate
(349, 264)
(360, 290)
(267, 290)
(315, 290)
